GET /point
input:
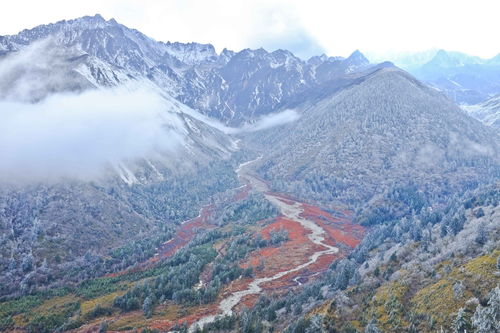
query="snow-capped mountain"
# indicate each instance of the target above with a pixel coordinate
(488, 111)
(406, 60)
(115, 186)
(464, 78)
(447, 59)
(232, 86)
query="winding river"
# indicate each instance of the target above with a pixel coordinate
(291, 210)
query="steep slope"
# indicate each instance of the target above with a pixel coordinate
(384, 129)
(60, 228)
(488, 111)
(255, 83)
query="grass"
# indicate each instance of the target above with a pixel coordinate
(478, 278)
(388, 305)
(104, 301)
(129, 321)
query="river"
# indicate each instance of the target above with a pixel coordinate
(289, 209)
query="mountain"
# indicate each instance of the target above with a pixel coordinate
(58, 215)
(447, 59)
(466, 79)
(232, 86)
(428, 271)
(57, 224)
(62, 221)
(495, 60)
(381, 130)
(406, 60)
(346, 196)
(488, 111)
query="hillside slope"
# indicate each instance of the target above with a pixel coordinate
(383, 130)
(488, 111)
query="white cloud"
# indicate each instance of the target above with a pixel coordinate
(339, 27)
(81, 136)
(84, 136)
(271, 120)
(264, 122)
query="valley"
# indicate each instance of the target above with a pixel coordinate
(150, 186)
(315, 239)
(312, 239)
(291, 211)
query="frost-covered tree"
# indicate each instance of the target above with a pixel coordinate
(487, 318)
(372, 327)
(458, 289)
(461, 324)
(27, 263)
(315, 324)
(482, 235)
(147, 307)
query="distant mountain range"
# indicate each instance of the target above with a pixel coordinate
(465, 79)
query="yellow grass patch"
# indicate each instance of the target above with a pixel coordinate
(104, 301)
(54, 304)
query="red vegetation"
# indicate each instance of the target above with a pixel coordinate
(184, 234)
(340, 228)
(339, 232)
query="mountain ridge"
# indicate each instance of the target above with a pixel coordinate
(335, 137)
(191, 72)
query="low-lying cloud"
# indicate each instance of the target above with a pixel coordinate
(39, 70)
(81, 136)
(271, 120)
(264, 122)
(85, 135)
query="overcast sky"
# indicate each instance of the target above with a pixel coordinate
(304, 27)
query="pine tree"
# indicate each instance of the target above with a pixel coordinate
(461, 324)
(372, 327)
(147, 307)
(27, 262)
(458, 290)
(482, 235)
(487, 318)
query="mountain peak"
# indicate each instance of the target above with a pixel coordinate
(441, 55)
(495, 60)
(318, 59)
(357, 58)
(97, 19)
